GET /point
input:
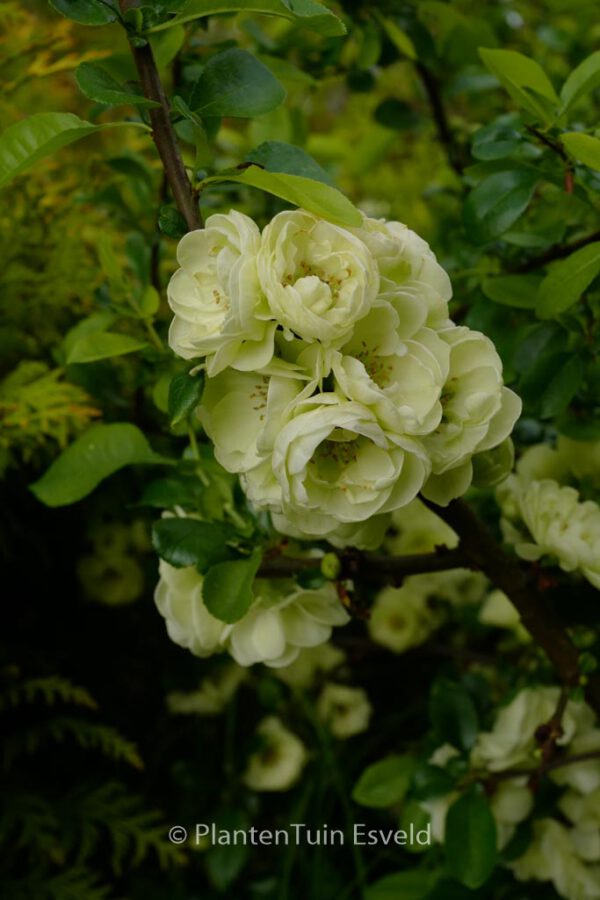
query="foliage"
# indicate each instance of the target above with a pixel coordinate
(478, 129)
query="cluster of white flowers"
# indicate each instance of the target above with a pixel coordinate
(565, 852)
(338, 387)
(544, 515)
(282, 620)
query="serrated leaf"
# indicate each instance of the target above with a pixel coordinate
(567, 280)
(26, 142)
(277, 156)
(582, 80)
(405, 885)
(308, 13)
(102, 345)
(584, 147)
(518, 291)
(470, 844)
(385, 782)
(524, 79)
(85, 12)
(189, 542)
(96, 454)
(235, 83)
(227, 587)
(96, 84)
(497, 202)
(314, 196)
(185, 392)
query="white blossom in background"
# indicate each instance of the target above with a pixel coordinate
(544, 516)
(213, 694)
(345, 710)
(403, 617)
(338, 386)
(310, 664)
(552, 856)
(279, 760)
(282, 620)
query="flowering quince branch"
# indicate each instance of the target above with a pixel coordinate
(162, 129)
(370, 566)
(560, 762)
(483, 551)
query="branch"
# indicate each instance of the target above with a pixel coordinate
(163, 132)
(445, 134)
(558, 763)
(374, 567)
(482, 551)
(558, 251)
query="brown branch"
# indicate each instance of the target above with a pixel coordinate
(558, 763)
(370, 566)
(558, 251)
(445, 133)
(482, 551)
(163, 132)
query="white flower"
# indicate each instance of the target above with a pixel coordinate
(510, 803)
(584, 813)
(402, 618)
(411, 278)
(281, 621)
(478, 413)
(499, 612)
(311, 662)
(178, 597)
(400, 380)
(278, 763)
(416, 529)
(318, 278)
(219, 308)
(557, 524)
(552, 857)
(581, 776)
(346, 710)
(511, 742)
(334, 464)
(366, 535)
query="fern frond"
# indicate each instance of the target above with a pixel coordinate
(134, 831)
(51, 690)
(88, 735)
(74, 884)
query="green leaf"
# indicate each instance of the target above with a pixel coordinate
(567, 280)
(189, 542)
(277, 156)
(102, 345)
(584, 147)
(519, 291)
(171, 222)
(524, 79)
(98, 321)
(227, 587)
(431, 781)
(308, 13)
(26, 142)
(497, 202)
(96, 454)
(149, 302)
(453, 714)
(235, 83)
(399, 38)
(582, 80)
(85, 12)
(314, 196)
(470, 844)
(406, 885)
(559, 391)
(98, 85)
(185, 391)
(385, 782)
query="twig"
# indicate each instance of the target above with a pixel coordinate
(445, 134)
(558, 763)
(558, 251)
(370, 566)
(482, 551)
(163, 132)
